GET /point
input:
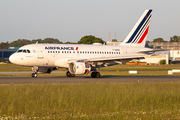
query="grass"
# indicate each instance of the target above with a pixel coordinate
(13, 67)
(141, 67)
(96, 100)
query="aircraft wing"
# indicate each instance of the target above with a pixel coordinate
(151, 50)
(116, 58)
(104, 59)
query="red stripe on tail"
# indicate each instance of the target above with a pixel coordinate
(144, 35)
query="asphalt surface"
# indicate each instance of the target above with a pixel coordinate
(78, 79)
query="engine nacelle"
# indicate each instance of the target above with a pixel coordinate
(79, 68)
(42, 69)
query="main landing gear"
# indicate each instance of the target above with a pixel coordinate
(35, 70)
(34, 75)
(68, 74)
(95, 75)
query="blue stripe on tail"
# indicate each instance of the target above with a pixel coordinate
(140, 25)
(145, 25)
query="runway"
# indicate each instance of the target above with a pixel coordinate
(79, 79)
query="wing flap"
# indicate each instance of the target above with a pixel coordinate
(116, 58)
(101, 59)
(150, 50)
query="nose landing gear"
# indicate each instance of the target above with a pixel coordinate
(34, 75)
(35, 70)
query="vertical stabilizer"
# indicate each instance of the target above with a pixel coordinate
(137, 36)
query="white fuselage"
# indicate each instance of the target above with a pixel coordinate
(47, 55)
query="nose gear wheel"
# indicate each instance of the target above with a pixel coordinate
(34, 75)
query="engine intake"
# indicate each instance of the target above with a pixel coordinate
(79, 68)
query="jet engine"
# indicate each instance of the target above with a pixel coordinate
(79, 68)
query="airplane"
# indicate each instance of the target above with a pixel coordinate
(82, 59)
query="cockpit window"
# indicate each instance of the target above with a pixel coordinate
(24, 51)
(28, 51)
(19, 51)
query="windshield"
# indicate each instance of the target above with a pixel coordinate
(23, 51)
(19, 51)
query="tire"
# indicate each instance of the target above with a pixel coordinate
(72, 75)
(34, 75)
(68, 74)
(93, 74)
(97, 75)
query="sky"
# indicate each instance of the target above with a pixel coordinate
(70, 20)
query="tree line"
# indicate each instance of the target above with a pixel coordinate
(89, 39)
(172, 39)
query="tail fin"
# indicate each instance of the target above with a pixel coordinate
(137, 36)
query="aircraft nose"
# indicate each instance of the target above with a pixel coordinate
(12, 58)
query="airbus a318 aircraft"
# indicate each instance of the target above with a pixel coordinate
(83, 59)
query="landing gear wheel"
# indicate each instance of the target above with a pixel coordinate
(34, 75)
(95, 75)
(68, 74)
